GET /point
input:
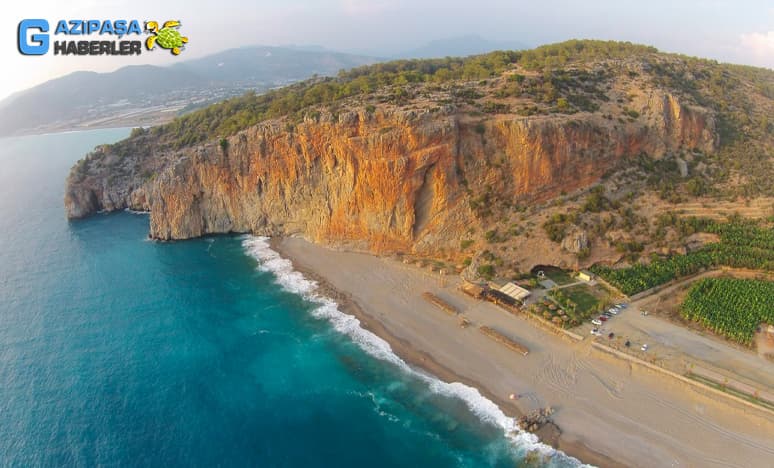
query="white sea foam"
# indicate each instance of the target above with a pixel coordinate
(137, 212)
(295, 282)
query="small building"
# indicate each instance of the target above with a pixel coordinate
(472, 289)
(584, 275)
(499, 297)
(515, 291)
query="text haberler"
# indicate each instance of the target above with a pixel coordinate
(97, 47)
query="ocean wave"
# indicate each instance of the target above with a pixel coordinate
(485, 409)
(137, 212)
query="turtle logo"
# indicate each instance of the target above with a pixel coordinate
(168, 37)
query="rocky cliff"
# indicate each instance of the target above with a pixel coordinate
(386, 180)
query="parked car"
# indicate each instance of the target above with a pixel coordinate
(644, 347)
(614, 311)
(596, 322)
(602, 318)
(595, 331)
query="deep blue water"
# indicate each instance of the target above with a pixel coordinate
(116, 351)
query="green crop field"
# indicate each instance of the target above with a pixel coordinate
(576, 304)
(731, 307)
(587, 300)
(559, 276)
(743, 244)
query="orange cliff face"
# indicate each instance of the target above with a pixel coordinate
(379, 182)
(541, 157)
(395, 180)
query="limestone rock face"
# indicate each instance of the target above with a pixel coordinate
(689, 126)
(576, 242)
(389, 181)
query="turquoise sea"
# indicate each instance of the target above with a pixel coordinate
(119, 351)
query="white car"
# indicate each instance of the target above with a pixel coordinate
(596, 322)
(644, 347)
(595, 332)
(613, 311)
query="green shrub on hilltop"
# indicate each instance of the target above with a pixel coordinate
(557, 55)
(572, 76)
(233, 115)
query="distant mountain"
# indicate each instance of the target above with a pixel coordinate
(82, 98)
(269, 65)
(460, 46)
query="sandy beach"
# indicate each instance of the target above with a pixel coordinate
(609, 413)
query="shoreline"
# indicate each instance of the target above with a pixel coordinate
(84, 127)
(611, 413)
(549, 434)
(66, 130)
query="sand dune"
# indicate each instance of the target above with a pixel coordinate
(633, 416)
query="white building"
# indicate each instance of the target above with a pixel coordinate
(515, 291)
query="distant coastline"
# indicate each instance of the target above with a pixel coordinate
(87, 126)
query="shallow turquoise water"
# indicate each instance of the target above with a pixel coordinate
(115, 350)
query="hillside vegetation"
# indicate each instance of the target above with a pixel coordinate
(392, 81)
(570, 154)
(568, 77)
(741, 244)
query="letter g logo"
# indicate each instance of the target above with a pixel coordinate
(38, 43)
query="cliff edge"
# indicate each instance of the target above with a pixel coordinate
(414, 167)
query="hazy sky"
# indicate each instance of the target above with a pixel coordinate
(740, 31)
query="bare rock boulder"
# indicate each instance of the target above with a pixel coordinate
(577, 241)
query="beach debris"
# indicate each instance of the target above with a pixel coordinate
(464, 322)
